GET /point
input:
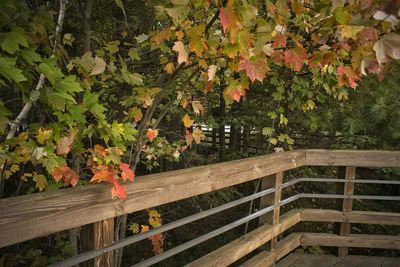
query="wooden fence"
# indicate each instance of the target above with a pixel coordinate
(26, 217)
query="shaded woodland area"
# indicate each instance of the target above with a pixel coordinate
(103, 91)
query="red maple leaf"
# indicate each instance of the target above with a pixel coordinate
(102, 173)
(347, 76)
(118, 190)
(295, 58)
(126, 172)
(227, 18)
(279, 40)
(256, 69)
(69, 175)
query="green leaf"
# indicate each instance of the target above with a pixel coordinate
(12, 40)
(121, 6)
(9, 71)
(133, 54)
(342, 16)
(267, 131)
(52, 72)
(30, 55)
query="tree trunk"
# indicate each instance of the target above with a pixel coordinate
(232, 138)
(246, 138)
(214, 138)
(86, 25)
(221, 127)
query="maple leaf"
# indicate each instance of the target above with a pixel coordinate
(40, 181)
(183, 56)
(212, 69)
(102, 174)
(154, 218)
(126, 172)
(188, 138)
(64, 144)
(157, 241)
(136, 113)
(234, 92)
(187, 122)
(43, 135)
(198, 135)
(99, 66)
(151, 134)
(69, 175)
(279, 41)
(165, 34)
(368, 34)
(197, 107)
(256, 69)
(169, 68)
(118, 190)
(349, 31)
(387, 46)
(227, 18)
(100, 150)
(295, 58)
(347, 76)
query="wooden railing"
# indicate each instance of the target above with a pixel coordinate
(31, 216)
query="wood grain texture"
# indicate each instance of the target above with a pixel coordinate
(365, 217)
(345, 227)
(358, 241)
(69, 208)
(238, 248)
(104, 236)
(359, 158)
(267, 200)
(267, 258)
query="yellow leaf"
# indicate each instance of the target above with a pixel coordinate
(198, 135)
(40, 180)
(169, 68)
(179, 35)
(43, 135)
(134, 228)
(7, 174)
(187, 121)
(136, 113)
(154, 218)
(14, 168)
(197, 107)
(145, 228)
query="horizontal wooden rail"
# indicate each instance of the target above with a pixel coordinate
(356, 241)
(69, 208)
(242, 246)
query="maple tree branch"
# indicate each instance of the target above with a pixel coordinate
(27, 107)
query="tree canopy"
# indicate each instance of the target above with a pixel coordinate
(89, 90)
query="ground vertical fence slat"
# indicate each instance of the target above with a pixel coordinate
(27, 217)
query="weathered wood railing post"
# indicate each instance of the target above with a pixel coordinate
(273, 181)
(345, 227)
(103, 236)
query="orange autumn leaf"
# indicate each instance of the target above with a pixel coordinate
(187, 122)
(118, 190)
(165, 34)
(69, 175)
(198, 135)
(169, 68)
(103, 174)
(295, 58)
(188, 138)
(279, 41)
(126, 172)
(157, 241)
(227, 18)
(151, 134)
(256, 69)
(347, 76)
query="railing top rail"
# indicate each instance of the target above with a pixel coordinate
(69, 208)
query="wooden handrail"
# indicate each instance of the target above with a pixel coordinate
(69, 208)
